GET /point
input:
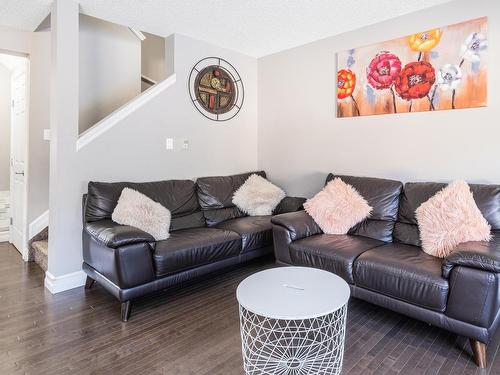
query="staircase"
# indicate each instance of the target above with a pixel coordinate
(4, 217)
(38, 249)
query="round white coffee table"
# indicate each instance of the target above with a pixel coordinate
(293, 321)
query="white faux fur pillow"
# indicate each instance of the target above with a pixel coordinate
(257, 196)
(139, 211)
(450, 217)
(338, 207)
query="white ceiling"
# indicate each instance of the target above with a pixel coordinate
(253, 27)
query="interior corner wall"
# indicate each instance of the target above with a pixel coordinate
(153, 63)
(110, 69)
(134, 149)
(5, 98)
(39, 120)
(301, 140)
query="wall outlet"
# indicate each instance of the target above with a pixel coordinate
(46, 134)
(185, 144)
(169, 144)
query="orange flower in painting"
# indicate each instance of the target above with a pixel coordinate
(346, 82)
(424, 42)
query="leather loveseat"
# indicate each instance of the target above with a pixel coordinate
(208, 233)
(383, 262)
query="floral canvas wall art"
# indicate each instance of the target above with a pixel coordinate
(438, 69)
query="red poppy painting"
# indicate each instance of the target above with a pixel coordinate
(438, 69)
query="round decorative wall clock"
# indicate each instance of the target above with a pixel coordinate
(216, 89)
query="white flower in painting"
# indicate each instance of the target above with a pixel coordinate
(449, 77)
(474, 47)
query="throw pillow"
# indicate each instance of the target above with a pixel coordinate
(257, 196)
(142, 212)
(450, 217)
(338, 207)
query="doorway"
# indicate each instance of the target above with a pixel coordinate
(14, 102)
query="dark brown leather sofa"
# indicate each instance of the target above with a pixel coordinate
(208, 233)
(383, 263)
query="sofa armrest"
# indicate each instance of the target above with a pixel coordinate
(474, 296)
(289, 204)
(300, 224)
(482, 255)
(290, 227)
(127, 265)
(114, 235)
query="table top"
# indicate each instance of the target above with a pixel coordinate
(293, 293)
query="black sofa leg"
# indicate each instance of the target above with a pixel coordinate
(89, 282)
(479, 351)
(126, 309)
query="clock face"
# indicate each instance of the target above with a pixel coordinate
(216, 89)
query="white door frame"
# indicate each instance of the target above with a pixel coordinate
(25, 239)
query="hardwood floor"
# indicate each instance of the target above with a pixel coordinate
(190, 330)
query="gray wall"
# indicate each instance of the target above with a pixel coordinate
(153, 63)
(110, 69)
(301, 140)
(5, 97)
(134, 149)
(39, 118)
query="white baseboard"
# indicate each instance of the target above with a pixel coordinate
(57, 284)
(38, 225)
(4, 236)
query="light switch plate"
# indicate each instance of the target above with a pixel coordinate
(46, 134)
(185, 144)
(169, 144)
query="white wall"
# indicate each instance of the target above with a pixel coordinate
(301, 140)
(110, 69)
(134, 149)
(5, 100)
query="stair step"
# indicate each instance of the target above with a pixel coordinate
(39, 253)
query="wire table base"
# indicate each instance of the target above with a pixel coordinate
(293, 347)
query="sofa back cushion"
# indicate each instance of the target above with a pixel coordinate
(383, 196)
(215, 195)
(487, 198)
(179, 196)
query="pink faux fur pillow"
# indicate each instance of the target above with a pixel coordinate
(338, 207)
(450, 217)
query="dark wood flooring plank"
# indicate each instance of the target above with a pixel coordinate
(191, 329)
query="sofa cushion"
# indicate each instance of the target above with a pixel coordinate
(258, 196)
(255, 231)
(189, 248)
(137, 210)
(178, 196)
(449, 218)
(331, 252)
(215, 196)
(487, 198)
(337, 207)
(383, 196)
(404, 272)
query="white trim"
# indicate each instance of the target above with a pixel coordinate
(4, 236)
(57, 284)
(39, 224)
(117, 116)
